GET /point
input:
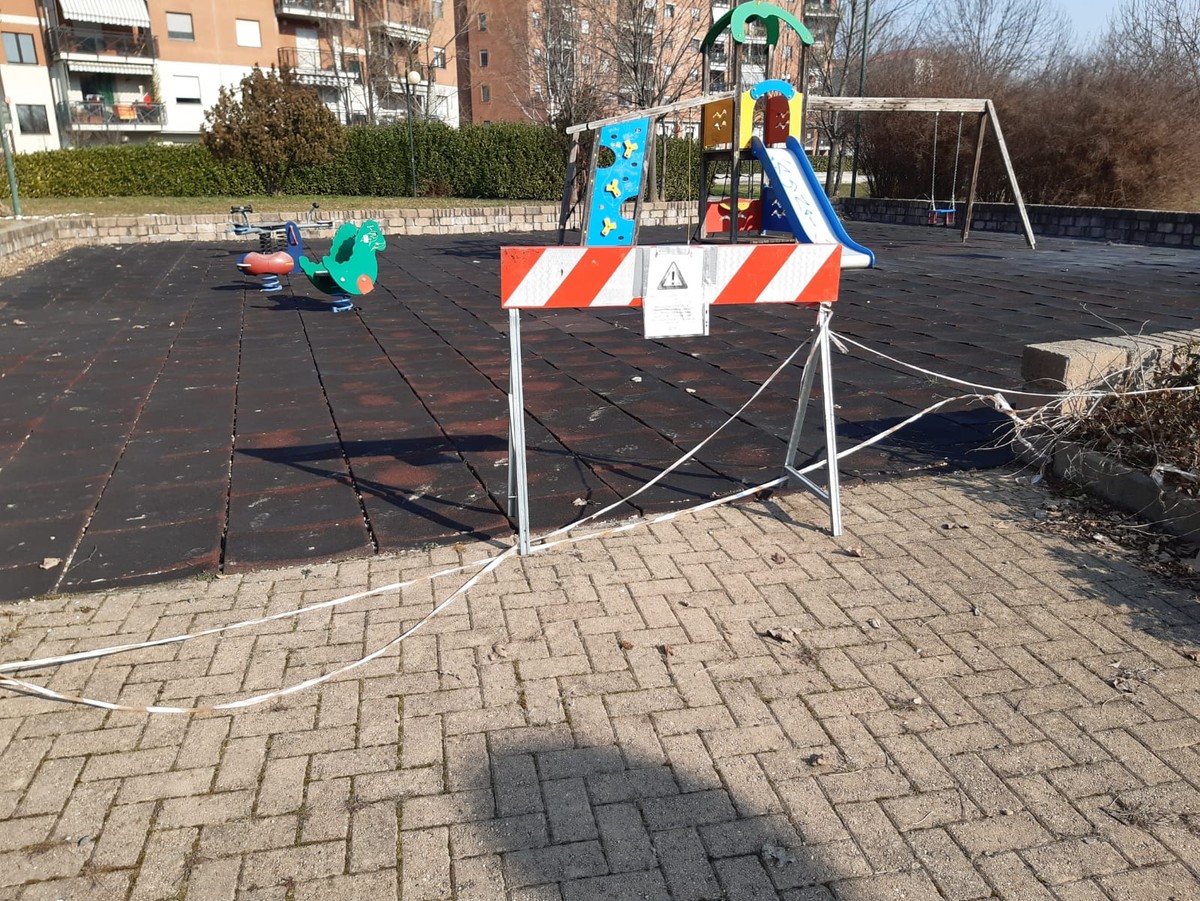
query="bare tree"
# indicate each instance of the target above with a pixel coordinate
(1161, 37)
(650, 48)
(847, 38)
(566, 79)
(996, 41)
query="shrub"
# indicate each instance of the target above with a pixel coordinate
(274, 124)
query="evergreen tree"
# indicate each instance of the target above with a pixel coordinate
(273, 123)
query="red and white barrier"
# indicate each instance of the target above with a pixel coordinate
(544, 277)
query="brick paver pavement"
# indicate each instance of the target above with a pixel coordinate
(941, 704)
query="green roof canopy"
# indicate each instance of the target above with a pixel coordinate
(767, 13)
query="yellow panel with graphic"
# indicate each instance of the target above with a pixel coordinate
(717, 121)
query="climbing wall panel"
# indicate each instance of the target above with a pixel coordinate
(617, 183)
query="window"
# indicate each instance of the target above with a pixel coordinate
(248, 34)
(537, 91)
(438, 9)
(586, 60)
(483, 21)
(693, 75)
(669, 11)
(352, 63)
(695, 14)
(439, 58)
(696, 44)
(32, 120)
(537, 54)
(18, 49)
(179, 27)
(536, 18)
(485, 94)
(585, 26)
(787, 52)
(187, 88)
(483, 59)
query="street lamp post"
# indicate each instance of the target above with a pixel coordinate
(411, 80)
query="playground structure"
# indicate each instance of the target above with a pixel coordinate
(272, 236)
(752, 139)
(350, 267)
(749, 137)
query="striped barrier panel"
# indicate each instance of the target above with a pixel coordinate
(558, 277)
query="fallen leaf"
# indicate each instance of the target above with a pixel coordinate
(579, 502)
(625, 645)
(1192, 655)
(976, 610)
(854, 551)
(874, 623)
(783, 636)
(666, 650)
(777, 855)
(817, 760)
(50, 562)
(636, 378)
(778, 558)
(18, 322)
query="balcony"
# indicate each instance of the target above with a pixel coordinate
(403, 24)
(317, 67)
(824, 9)
(90, 115)
(315, 9)
(89, 50)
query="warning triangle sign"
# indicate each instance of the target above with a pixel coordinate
(673, 278)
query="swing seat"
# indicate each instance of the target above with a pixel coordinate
(941, 216)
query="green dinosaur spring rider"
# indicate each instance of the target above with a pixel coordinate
(351, 267)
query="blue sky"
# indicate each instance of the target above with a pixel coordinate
(1088, 17)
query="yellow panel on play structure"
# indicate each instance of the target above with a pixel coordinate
(717, 122)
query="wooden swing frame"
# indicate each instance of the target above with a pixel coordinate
(986, 111)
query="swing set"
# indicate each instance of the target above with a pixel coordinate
(985, 110)
(946, 215)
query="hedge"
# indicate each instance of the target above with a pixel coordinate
(506, 161)
(497, 162)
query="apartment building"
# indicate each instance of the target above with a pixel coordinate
(84, 71)
(25, 79)
(518, 59)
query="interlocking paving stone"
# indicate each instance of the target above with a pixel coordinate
(733, 767)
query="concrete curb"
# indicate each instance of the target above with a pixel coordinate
(1089, 363)
(1129, 489)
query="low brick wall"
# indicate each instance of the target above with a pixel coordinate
(1094, 363)
(18, 235)
(1151, 227)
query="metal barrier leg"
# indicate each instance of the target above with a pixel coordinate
(518, 481)
(831, 449)
(819, 356)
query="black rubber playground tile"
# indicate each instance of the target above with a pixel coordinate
(251, 429)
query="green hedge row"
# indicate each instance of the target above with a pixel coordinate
(494, 162)
(498, 162)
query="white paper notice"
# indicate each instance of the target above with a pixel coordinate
(664, 317)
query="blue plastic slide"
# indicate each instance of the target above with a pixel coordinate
(796, 202)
